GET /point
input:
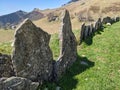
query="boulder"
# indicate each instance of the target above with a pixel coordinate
(99, 23)
(32, 57)
(117, 19)
(6, 67)
(68, 45)
(17, 83)
(107, 20)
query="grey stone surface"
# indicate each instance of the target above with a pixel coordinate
(117, 19)
(32, 57)
(82, 33)
(17, 83)
(107, 20)
(91, 29)
(68, 45)
(99, 23)
(86, 31)
(6, 67)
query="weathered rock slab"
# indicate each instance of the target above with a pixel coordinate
(32, 57)
(17, 83)
(68, 45)
(82, 35)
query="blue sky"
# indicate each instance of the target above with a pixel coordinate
(8, 6)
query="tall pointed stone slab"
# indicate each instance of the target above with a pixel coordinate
(32, 57)
(82, 33)
(86, 32)
(91, 30)
(68, 45)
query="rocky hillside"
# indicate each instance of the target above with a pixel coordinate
(81, 11)
(34, 15)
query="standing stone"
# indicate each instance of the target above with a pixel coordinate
(68, 45)
(91, 30)
(113, 20)
(82, 33)
(94, 28)
(86, 32)
(107, 20)
(117, 19)
(99, 23)
(32, 57)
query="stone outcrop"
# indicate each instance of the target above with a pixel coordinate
(6, 67)
(32, 57)
(17, 83)
(68, 45)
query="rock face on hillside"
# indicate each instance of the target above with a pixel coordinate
(32, 57)
(68, 45)
(17, 83)
(34, 15)
(6, 67)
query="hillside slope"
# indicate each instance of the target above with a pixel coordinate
(99, 69)
(81, 8)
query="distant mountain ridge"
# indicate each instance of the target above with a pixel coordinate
(73, 1)
(12, 18)
(18, 16)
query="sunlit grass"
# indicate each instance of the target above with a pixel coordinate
(102, 56)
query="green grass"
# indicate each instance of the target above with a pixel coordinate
(6, 48)
(101, 52)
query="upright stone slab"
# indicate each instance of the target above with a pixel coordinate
(91, 30)
(117, 19)
(94, 28)
(82, 33)
(32, 57)
(68, 45)
(107, 20)
(86, 32)
(99, 23)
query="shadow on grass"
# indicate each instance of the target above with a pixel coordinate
(89, 40)
(68, 82)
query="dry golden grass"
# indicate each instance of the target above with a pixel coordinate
(6, 35)
(78, 7)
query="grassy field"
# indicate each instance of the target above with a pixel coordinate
(6, 35)
(101, 53)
